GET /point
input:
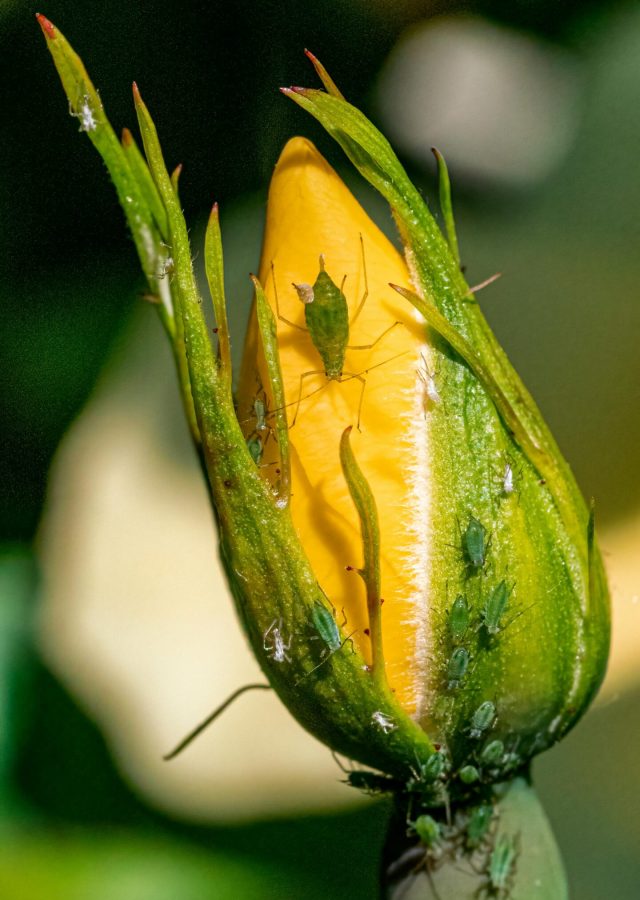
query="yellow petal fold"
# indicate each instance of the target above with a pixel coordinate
(311, 212)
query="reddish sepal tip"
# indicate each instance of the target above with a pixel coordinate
(127, 137)
(136, 93)
(48, 28)
(310, 55)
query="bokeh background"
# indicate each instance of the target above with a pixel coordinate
(116, 631)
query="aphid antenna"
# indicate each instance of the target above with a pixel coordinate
(197, 731)
(325, 659)
(483, 284)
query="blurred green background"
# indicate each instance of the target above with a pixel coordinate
(535, 105)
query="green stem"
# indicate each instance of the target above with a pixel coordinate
(454, 872)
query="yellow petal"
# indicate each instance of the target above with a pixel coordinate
(311, 212)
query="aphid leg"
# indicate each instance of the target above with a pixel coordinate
(298, 401)
(366, 286)
(281, 317)
(377, 340)
(349, 376)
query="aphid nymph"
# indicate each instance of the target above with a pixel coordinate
(457, 667)
(495, 607)
(475, 544)
(274, 643)
(482, 719)
(458, 618)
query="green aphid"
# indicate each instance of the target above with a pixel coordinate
(479, 824)
(324, 622)
(501, 865)
(495, 607)
(371, 782)
(469, 775)
(326, 315)
(328, 631)
(492, 754)
(260, 413)
(482, 719)
(457, 667)
(427, 830)
(475, 544)
(459, 618)
(427, 773)
(254, 445)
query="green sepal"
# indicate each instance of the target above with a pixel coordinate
(365, 505)
(214, 267)
(269, 336)
(142, 175)
(446, 206)
(130, 180)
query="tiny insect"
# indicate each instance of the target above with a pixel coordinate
(428, 831)
(84, 114)
(493, 753)
(469, 775)
(326, 315)
(427, 377)
(508, 486)
(254, 445)
(501, 866)
(475, 544)
(459, 618)
(482, 719)
(495, 607)
(479, 824)
(457, 667)
(328, 631)
(371, 782)
(427, 772)
(384, 722)
(274, 643)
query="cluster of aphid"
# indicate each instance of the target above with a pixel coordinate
(471, 836)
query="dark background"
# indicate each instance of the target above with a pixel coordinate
(567, 310)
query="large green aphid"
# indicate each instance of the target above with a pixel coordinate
(326, 315)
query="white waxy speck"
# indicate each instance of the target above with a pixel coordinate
(428, 380)
(507, 479)
(87, 120)
(281, 503)
(385, 723)
(305, 292)
(275, 644)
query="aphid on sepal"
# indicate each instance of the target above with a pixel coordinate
(274, 643)
(457, 667)
(482, 719)
(458, 618)
(475, 544)
(428, 379)
(327, 630)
